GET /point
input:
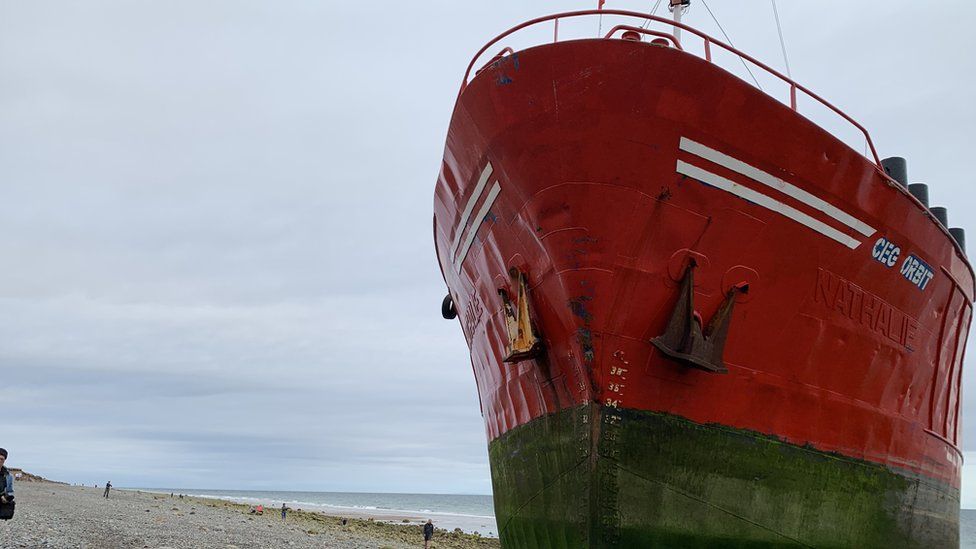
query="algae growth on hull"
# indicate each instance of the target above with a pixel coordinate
(592, 476)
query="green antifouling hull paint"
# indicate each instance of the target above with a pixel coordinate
(593, 476)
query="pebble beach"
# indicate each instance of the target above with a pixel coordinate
(52, 515)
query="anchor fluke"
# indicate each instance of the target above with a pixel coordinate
(685, 340)
(523, 341)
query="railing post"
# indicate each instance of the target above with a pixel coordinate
(708, 51)
(793, 95)
(555, 31)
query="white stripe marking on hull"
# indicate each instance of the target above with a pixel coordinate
(769, 180)
(760, 199)
(475, 195)
(492, 195)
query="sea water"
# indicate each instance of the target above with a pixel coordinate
(470, 513)
(967, 529)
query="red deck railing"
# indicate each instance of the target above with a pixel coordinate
(707, 40)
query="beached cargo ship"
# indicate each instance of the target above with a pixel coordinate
(696, 318)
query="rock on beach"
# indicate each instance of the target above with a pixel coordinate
(57, 516)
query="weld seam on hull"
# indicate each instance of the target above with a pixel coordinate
(542, 490)
(670, 487)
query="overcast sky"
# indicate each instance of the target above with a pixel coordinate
(215, 223)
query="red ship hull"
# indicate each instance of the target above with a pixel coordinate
(611, 167)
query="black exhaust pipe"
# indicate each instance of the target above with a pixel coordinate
(921, 192)
(897, 168)
(960, 235)
(941, 214)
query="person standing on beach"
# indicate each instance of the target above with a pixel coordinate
(284, 511)
(108, 486)
(7, 490)
(428, 533)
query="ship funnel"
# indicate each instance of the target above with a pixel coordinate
(960, 235)
(921, 192)
(897, 168)
(941, 214)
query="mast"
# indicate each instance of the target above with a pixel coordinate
(677, 8)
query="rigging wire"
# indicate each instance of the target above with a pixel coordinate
(729, 40)
(599, 7)
(782, 43)
(653, 10)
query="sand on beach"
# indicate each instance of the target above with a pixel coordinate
(59, 516)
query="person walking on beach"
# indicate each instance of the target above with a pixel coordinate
(108, 486)
(428, 533)
(6, 489)
(284, 511)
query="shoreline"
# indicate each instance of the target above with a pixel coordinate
(59, 516)
(480, 525)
